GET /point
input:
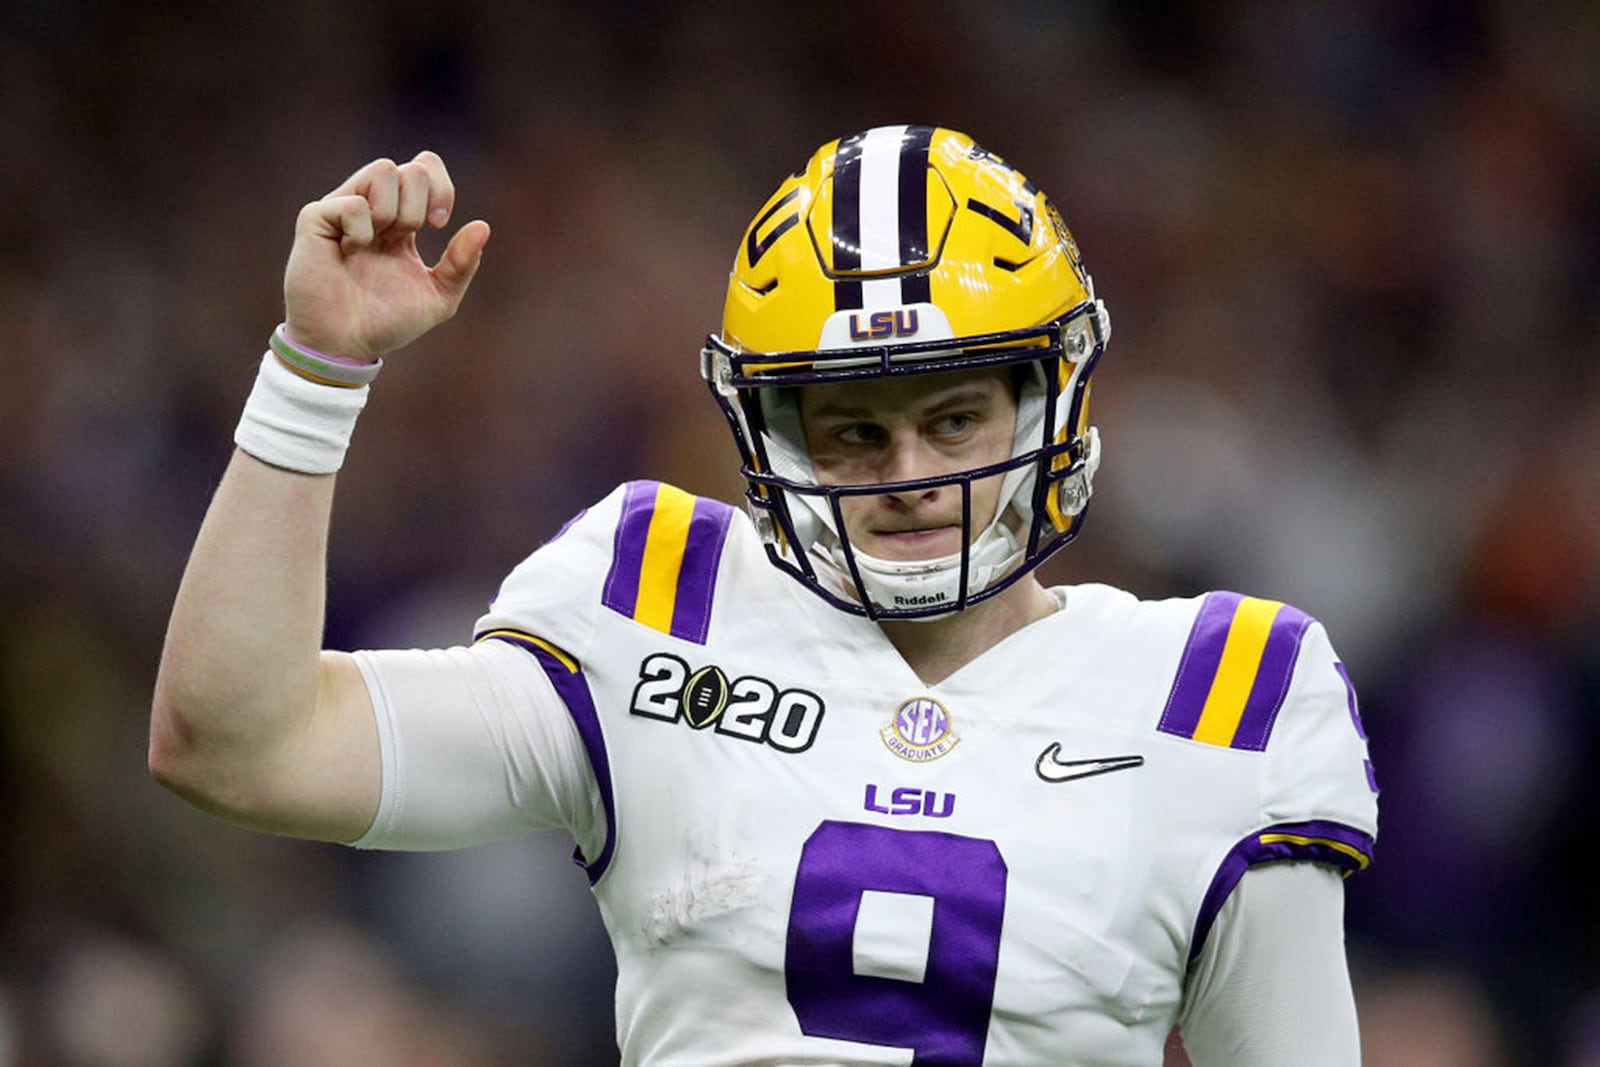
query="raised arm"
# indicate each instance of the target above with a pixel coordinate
(251, 719)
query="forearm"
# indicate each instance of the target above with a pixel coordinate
(241, 664)
(250, 718)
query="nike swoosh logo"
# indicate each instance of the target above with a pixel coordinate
(1052, 769)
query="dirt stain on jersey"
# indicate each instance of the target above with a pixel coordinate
(708, 889)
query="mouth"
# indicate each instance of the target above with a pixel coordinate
(917, 542)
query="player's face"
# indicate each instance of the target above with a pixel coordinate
(899, 429)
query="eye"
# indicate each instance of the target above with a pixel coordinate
(955, 424)
(860, 434)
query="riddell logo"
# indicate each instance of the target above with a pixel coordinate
(918, 601)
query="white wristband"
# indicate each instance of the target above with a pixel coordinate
(295, 423)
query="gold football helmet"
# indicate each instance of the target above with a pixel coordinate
(907, 250)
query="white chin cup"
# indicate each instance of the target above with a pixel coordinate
(926, 584)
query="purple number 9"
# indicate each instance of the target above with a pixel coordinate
(944, 1018)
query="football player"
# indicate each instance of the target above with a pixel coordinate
(849, 783)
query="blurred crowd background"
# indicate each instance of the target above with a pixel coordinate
(1353, 252)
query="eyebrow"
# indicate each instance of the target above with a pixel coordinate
(959, 396)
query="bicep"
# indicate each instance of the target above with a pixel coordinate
(1272, 985)
(318, 778)
(474, 744)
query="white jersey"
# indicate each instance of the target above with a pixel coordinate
(804, 854)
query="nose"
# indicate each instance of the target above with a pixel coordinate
(906, 458)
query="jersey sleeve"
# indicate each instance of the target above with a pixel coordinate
(1273, 986)
(494, 739)
(1319, 779)
(476, 745)
(1260, 677)
(507, 735)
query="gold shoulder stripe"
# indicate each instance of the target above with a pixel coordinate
(1236, 673)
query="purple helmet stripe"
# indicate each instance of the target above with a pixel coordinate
(914, 238)
(847, 221)
(1317, 840)
(570, 685)
(1197, 668)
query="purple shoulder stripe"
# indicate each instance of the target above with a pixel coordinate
(573, 689)
(1317, 840)
(1272, 679)
(621, 590)
(1234, 671)
(665, 558)
(697, 576)
(1197, 667)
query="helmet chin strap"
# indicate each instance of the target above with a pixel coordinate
(932, 583)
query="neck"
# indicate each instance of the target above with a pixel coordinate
(937, 648)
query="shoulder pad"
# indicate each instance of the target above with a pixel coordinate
(648, 551)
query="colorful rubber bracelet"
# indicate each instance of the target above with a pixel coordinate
(296, 423)
(319, 366)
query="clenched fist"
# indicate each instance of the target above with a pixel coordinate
(355, 285)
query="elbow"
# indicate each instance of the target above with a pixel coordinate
(180, 761)
(190, 761)
(217, 771)
(170, 757)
